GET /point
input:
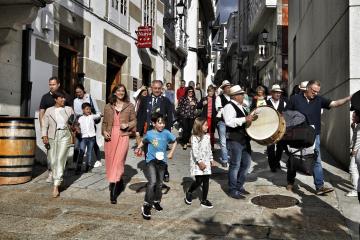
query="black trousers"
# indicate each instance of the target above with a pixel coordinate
(201, 180)
(187, 125)
(274, 152)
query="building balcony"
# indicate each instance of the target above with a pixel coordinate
(232, 32)
(259, 12)
(181, 41)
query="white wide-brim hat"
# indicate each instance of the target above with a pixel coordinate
(225, 83)
(236, 90)
(276, 88)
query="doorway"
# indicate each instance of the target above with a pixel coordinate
(113, 70)
(146, 75)
(71, 45)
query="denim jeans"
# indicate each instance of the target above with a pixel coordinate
(354, 172)
(155, 173)
(239, 163)
(87, 143)
(317, 168)
(222, 138)
(357, 162)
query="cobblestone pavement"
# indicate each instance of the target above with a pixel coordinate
(83, 210)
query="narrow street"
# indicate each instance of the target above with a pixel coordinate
(83, 211)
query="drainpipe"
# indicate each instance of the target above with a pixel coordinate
(26, 84)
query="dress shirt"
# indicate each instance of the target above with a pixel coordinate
(219, 106)
(230, 117)
(79, 101)
(276, 103)
(87, 125)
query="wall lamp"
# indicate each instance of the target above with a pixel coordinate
(180, 11)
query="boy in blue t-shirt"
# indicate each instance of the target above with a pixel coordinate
(157, 140)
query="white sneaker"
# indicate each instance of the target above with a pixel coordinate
(49, 178)
(352, 193)
(97, 164)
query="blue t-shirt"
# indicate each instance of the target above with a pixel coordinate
(311, 109)
(157, 144)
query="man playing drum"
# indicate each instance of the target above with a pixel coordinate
(275, 101)
(238, 144)
(310, 104)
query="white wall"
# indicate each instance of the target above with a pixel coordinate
(190, 69)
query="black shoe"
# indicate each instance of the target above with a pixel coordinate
(206, 204)
(224, 164)
(146, 211)
(273, 170)
(323, 190)
(188, 198)
(78, 170)
(157, 206)
(87, 168)
(166, 177)
(236, 195)
(243, 191)
(113, 196)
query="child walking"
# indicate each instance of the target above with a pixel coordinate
(201, 161)
(88, 136)
(157, 141)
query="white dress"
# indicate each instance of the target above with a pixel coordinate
(200, 151)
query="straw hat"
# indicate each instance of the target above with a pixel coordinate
(276, 88)
(303, 85)
(225, 83)
(236, 90)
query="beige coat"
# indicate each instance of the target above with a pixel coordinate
(49, 124)
(127, 116)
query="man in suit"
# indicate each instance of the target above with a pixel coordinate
(279, 104)
(150, 104)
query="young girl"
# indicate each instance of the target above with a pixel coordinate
(201, 160)
(355, 155)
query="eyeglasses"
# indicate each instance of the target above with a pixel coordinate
(190, 92)
(314, 91)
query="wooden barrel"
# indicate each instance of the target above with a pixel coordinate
(17, 149)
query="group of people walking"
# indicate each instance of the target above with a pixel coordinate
(151, 121)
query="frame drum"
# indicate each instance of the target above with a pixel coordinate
(268, 128)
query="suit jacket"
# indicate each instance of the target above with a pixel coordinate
(127, 116)
(49, 125)
(145, 110)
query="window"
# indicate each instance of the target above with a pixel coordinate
(115, 4)
(149, 12)
(123, 6)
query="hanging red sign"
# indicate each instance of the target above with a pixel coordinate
(144, 37)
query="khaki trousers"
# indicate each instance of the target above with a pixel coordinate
(57, 154)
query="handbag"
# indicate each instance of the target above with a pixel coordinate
(93, 111)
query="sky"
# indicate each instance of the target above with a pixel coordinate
(225, 8)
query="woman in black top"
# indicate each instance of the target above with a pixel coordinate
(187, 113)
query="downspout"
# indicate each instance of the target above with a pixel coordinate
(26, 84)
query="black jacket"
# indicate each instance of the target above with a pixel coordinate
(144, 112)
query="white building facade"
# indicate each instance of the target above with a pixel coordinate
(94, 43)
